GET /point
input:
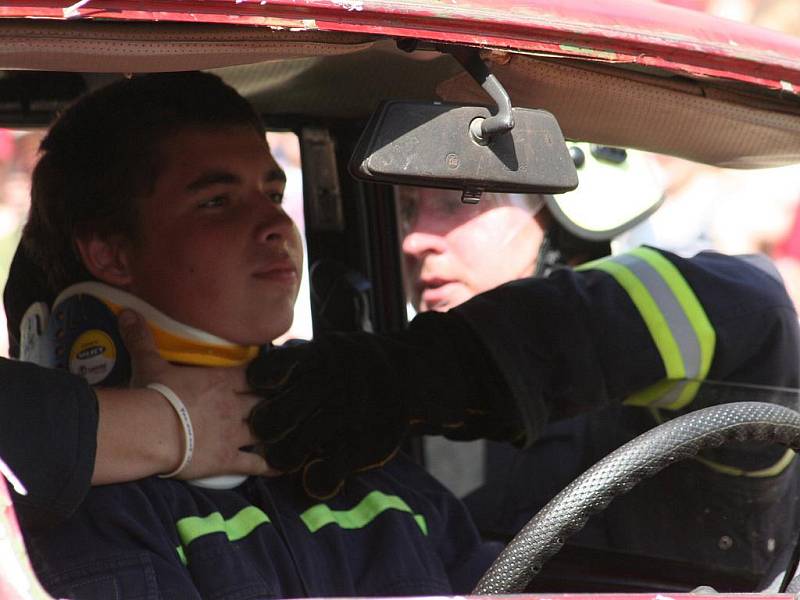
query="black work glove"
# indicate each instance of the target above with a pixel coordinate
(344, 402)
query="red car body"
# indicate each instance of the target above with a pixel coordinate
(656, 37)
(634, 31)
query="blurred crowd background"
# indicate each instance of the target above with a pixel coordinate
(735, 211)
(729, 210)
(779, 15)
(18, 152)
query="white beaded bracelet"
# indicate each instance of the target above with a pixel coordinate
(186, 422)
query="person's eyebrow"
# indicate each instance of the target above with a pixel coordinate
(211, 178)
(275, 175)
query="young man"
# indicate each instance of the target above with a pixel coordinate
(163, 186)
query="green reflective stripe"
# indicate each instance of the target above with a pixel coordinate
(688, 390)
(776, 469)
(235, 528)
(679, 326)
(667, 393)
(706, 335)
(182, 555)
(191, 528)
(320, 515)
(650, 395)
(675, 319)
(421, 523)
(779, 467)
(689, 323)
(687, 395)
(648, 309)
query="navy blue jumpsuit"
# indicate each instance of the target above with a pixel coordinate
(642, 328)
(392, 531)
(623, 338)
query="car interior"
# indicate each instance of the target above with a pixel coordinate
(321, 90)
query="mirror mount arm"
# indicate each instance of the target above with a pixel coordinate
(483, 130)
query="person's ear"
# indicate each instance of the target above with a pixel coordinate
(106, 257)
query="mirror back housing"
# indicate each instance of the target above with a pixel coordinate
(430, 144)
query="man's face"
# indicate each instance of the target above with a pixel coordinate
(454, 251)
(215, 250)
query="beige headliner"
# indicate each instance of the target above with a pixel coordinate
(691, 119)
(341, 75)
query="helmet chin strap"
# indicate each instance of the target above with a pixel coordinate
(549, 256)
(560, 248)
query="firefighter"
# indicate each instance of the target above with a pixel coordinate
(624, 339)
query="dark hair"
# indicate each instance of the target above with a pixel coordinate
(102, 155)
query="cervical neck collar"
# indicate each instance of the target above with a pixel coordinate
(175, 341)
(80, 335)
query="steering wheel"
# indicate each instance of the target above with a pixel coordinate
(620, 471)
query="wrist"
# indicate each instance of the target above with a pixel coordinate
(138, 435)
(186, 426)
(166, 440)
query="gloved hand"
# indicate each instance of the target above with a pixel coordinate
(344, 402)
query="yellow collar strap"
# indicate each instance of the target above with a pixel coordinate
(175, 341)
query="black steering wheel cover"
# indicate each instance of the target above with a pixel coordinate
(617, 473)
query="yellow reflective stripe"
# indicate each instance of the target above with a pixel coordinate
(650, 395)
(238, 526)
(776, 469)
(687, 395)
(373, 504)
(694, 310)
(648, 310)
(667, 393)
(704, 333)
(675, 319)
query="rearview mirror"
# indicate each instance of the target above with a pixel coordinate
(431, 145)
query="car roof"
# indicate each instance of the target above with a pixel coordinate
(678, 39)
(635, 74)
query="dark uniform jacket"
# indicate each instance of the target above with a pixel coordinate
(628, 338)
(393, 531)
(48, 436)
(641, 328)
(48, 418)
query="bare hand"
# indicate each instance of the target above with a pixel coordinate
(215, 398)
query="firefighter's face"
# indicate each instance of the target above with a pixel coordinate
(453, 250)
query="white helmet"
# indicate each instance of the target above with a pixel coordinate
(617, 189)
